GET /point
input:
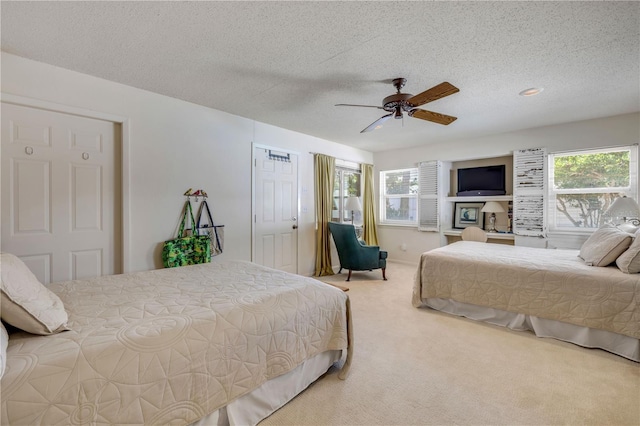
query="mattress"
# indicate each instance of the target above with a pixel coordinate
(549, 284)
(170, 346)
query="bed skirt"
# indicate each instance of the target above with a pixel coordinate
(625, 346)
(260, 403)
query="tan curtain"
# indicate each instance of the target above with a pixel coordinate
(325, 167)
(370, 232)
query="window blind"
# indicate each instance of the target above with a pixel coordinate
(529, 189)
(428, 199)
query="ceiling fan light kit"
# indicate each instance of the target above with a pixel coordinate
(531, 91)
(399, 103)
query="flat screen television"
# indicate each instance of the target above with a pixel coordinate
(483, 181)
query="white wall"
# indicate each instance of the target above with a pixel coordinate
(596, 133)
(175, 145)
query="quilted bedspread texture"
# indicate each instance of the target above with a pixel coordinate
(169, 346)
(551, 284)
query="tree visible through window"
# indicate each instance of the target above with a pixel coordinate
(399, 192)
(584, 184)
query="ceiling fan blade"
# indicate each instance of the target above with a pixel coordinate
(364, 106)
(423, 114)
(433, 94)
(377, 124)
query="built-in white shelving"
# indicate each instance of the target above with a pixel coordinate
(450, 234)
(481, 199)
(490, 235)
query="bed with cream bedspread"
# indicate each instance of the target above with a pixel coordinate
(550, 284)
(170, 346)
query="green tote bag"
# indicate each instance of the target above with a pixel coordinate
(186, 250)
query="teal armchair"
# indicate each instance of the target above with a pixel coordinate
(354, 255)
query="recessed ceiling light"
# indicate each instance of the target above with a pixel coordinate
(531, 91)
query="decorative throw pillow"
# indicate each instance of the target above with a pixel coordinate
(4, 342)
(604, 246)
(25, 302)
(629, 261)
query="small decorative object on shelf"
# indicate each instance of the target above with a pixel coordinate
(492, 207)
(468, 214)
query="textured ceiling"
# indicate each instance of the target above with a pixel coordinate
(289, 63)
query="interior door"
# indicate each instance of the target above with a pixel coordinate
(61, 199)
(276, 209)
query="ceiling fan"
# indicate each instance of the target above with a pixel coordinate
(399, 102)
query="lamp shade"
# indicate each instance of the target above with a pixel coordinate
(492, 207)
(623, 207)
(353, 203)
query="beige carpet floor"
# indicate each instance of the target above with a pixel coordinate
(421, 367)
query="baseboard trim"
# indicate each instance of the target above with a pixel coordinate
(337, 268)
(403, 262)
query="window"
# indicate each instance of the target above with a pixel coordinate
(348, 183)
(583, 184)
(399, 197)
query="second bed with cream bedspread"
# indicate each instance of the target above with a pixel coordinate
(169, 346)
(550, 284)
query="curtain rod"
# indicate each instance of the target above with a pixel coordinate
(341, 159)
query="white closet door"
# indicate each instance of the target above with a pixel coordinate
(61, 199)
(276, 209)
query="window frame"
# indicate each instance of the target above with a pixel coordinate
(383, 198)
(631, 190)
(343, 167)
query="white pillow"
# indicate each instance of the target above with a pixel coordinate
(25, 302)
(629, 261)
(604, 246)
(4, 342)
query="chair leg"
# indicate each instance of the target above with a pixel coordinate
(340, 270)
(349, 277)
(384, 275)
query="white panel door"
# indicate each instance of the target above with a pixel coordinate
(276, 209)
(61, 202)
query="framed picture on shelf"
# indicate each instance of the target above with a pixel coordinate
(468, 214)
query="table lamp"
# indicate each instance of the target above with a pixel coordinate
(624, 213)
(353, 204)
(492, 207)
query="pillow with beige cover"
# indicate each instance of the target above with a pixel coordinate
(4, 342)
(25, 302)
(604, 246)
(629, 261)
